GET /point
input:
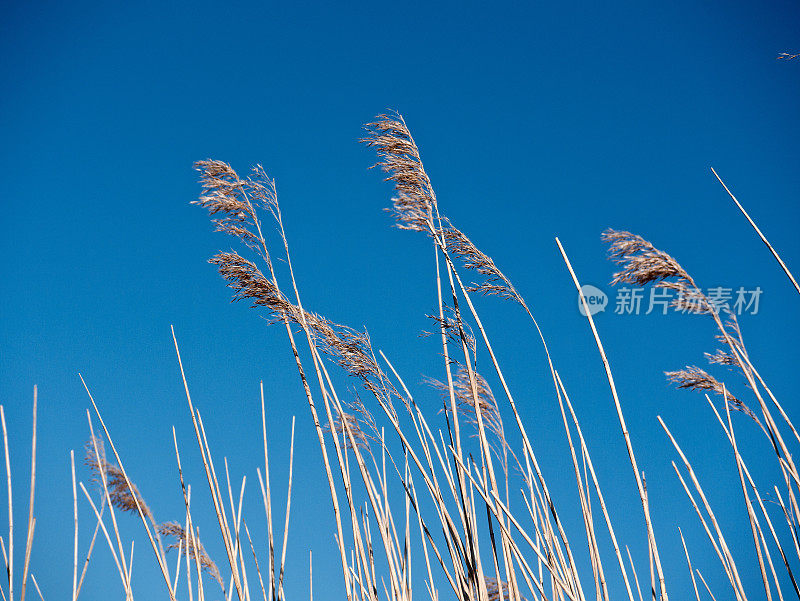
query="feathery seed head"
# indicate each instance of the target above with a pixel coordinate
(122, 496)
(694, 378)
(234, 200)
(462, 389)
(496, 283)
(721, 357)
(344, 422)
(248, 282)
(643, 263)
(192, 547)
(399, 157)
(350, 349)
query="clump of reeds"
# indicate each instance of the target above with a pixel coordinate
(423, 490)
(645, 264)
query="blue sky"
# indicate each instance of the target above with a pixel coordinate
(534, 120)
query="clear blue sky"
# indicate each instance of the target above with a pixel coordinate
(535, 121)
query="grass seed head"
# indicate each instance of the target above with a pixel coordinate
(694, 378)
(398, 156)
(122, 496)
(194, 547)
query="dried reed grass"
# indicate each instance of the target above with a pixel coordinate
(192, 547)
(454, 506)
(107, 474)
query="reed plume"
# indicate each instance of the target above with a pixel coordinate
(462, 388)
(495, 282)
(643, 263)
(233, 201)
(247, 282)
(344, 422)
(414, 201)
(224, 194)
(414, 204)
(192, 546)
(694, 378)
(122, 496)
(349, 348)
(720, 357)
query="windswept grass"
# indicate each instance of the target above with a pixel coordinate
(435, 490)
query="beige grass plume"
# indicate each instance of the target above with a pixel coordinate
(248, 283)
(349, 348)
(122, 497)
(193, 547)
(466, 401)
(644, 264)
(233, 201)
(720, 357)
(495, 282)
(694, 378)
(225, 198)
(414, 204)
(399, 157)
(342, 422)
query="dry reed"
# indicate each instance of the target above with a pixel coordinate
(401, 486)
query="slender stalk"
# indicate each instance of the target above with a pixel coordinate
(139, 510)
(755, 529)
(218, 508)
(31, 519)
(689, 563)
(760, 235)
(10, 557)
(75, 513)
(122, 573)
(626, 435)
(288, 508)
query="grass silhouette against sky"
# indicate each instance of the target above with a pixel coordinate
(533, 121)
